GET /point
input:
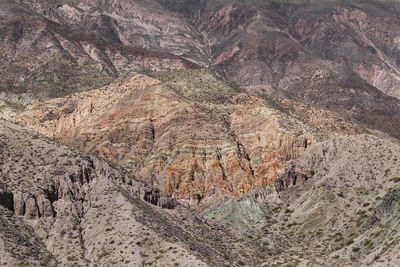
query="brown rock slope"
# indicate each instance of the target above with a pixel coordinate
(194, 150)
(58, 206)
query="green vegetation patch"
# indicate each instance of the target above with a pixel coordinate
(199, 85)
(395, 179)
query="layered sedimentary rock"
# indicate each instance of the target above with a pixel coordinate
(338, 55)
(59, 206)
(193, 150)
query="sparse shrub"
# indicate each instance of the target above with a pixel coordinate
(103, 254)
(395, 179)
(349, 242)
(288, 211)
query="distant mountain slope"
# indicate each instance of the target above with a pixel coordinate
(339, 55)
(333, 54)
(44, 58)
(60, 206)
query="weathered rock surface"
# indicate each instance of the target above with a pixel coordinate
(291, 177)
(198, 152)
(346, 213)
(60, 206)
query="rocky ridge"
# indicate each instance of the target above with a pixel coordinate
(198, 152)
(75, 209)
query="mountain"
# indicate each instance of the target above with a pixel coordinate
(335, 204)
(339, 55)
(188, 133)
(209, 133)
(59, 206)
(43, 58)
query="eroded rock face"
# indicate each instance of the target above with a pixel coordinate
(60, 206)
(388, 206)
(292, 176)
(197, 152)
(7, 200)
(35, 205)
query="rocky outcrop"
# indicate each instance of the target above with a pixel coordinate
(6, 199)
(35, 205)
(291, 177)
(388, 206)
(197, 152)
(68, 208)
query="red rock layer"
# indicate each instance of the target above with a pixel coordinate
(198, 153)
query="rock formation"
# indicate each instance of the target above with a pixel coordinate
(291, 177)
(275, 122)
(58, 206)
(197, 152)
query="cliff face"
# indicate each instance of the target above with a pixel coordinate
(199, 153)
(58, 206)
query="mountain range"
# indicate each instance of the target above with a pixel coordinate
(199, 133)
